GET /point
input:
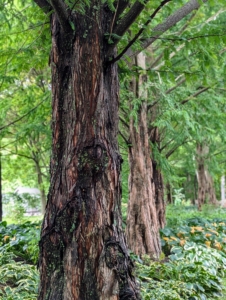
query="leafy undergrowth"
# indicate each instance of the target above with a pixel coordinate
(193, 267)
(18, 256)
(195, 258)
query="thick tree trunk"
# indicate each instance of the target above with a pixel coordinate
(142, 229)
(83, 255)
(206, 189)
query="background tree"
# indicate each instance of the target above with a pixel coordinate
(160, 84)
(24, 94)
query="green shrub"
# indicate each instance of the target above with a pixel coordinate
(20, 239)
(18, 281)
(18, 245)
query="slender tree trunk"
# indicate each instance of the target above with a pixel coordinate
(40, 185)
(1, 212)
(83, 254)
(142, 229)
(210, 189)
(223, 190)
(206, 189)
(169, 193)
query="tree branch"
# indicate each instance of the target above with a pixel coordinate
(19, 154)
(126, 22)
(44, 5)
(17, 120)
(169, 153)
(124, 138)
(123, 122)
(169, 22)
(175, 86)
(167, 92)
(141, 30)
(122, 5)
(166, 145)
(60, 9)
(195, 94)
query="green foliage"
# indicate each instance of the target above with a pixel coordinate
(15, 205)
(192, 271)
(19, 281)
(211, 233)
(201, 267)
(21, 240)
(177, 215)
(18, 247)
(194, 263)
(24, 95)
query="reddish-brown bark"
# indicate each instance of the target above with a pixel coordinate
(206, 189)
(143, 226)
(158, 181)
(142, 229)
(83, 254)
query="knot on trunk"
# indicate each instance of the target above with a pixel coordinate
(92, 162)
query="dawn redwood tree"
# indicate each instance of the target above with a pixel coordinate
(146, 207)
(142, 227)
(83, 254)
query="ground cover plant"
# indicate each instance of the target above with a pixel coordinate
(18, 259)
(194, 252)
(192, 265)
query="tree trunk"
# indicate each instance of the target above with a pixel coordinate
(142, 229)
(206, 189)
(158, 182)
(210, 189)
(83, 254)
(1, 212)
(169, 193)
(223, 190)
(40, 185)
